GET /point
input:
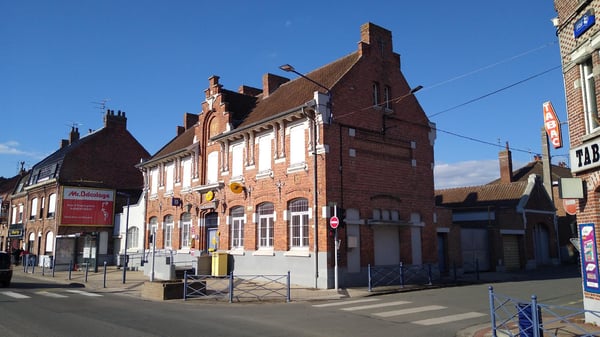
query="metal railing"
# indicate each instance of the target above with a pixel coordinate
(400, 275)
(239, 287)
(513, 317)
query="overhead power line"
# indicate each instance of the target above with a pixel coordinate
(496, 91)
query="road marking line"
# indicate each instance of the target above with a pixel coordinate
(448, 319)
(378, 305)
(49, 294)
(409, 311)
(332, 304)
(85, 293)
(14, 294)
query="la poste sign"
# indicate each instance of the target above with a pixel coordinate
(552, 125)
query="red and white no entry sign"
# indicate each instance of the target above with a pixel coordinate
(334, 222)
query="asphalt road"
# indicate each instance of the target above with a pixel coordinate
(35, 308)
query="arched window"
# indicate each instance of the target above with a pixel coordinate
(299, 223)
(168, 231)
(186, 226)
(49, 242)
(237, 227)
(266, 219)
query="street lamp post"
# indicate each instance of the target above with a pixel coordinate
(126, 235)
(313, 118)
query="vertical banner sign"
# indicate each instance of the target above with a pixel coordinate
(552, 125)
(84, 206)
(589, 257)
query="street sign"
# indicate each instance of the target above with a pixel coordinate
(334, 222)
(570, 206)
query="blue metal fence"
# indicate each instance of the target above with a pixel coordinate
(513, 317)
(239, 287)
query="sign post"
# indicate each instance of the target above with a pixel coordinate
(334, 223)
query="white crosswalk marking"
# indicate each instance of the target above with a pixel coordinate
(409, 311)
(450, 318)
(49, 294)
(14, 294)
(332, 304)
(378, 305)
(85, 293)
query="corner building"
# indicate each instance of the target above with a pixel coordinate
(259, 172)
(579, 37)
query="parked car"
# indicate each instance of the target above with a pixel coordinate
(6, 269)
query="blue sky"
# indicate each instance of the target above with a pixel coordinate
(486, 68)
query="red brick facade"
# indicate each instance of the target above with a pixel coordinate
(364, 145)
(579, 49)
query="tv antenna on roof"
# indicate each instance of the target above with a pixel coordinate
(101, 105)
(74, 125)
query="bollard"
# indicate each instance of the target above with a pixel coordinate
(401, 275)
(231, 288)
(44, 265)
(288, 297)
(429, 274)
(70, 268)
(185, 285)
(104, 280)
(53, 266)
(369, 275)
(492, 308)
(87, 267)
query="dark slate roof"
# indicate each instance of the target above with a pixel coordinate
(176, 144)
(537, 167)
(295, 93)
(484, 195)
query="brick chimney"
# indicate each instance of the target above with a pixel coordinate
(271, 83)
(505, 159)
(74, 135)
(249, 91)
(374, 38)
(189, 120)
(115, 121)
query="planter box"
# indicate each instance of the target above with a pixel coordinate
(168, 290)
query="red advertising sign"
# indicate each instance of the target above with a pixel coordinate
(87, 206)
(552, 125)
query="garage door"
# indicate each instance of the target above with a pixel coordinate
(475, 248)
(387, 246)
(512, 257)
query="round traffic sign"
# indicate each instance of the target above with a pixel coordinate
(334, 222)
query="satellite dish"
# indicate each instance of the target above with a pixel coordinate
(210, 195)
(236, 188)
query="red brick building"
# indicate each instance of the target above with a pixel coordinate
(73, 193)
(259, 172)
(579, 38)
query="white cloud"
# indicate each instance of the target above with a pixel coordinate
(10, 147)
(465, 173)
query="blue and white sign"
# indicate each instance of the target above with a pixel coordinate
(584, 23)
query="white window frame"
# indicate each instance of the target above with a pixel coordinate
(169, 231)
(588, 92)
(154, 181)
(266, 225)
(49, 242)
(237, 228)
(33, 210)
(186, 230)
(169, 177)
(186, 168)
(298, 145)
(133, 236)
(265, 154)
(52, 205)
(212, 168)
(299, 224)
(237, 160)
